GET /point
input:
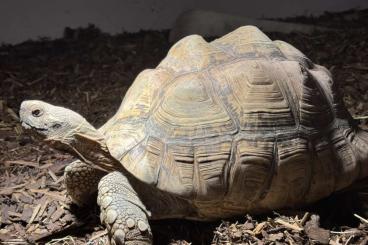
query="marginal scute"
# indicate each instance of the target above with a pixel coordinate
(196, 171)
(322, 169)
(347, 165)
(251, 173)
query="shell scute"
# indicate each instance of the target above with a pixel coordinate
(190, 109)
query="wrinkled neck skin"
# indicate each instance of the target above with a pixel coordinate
(87, 144)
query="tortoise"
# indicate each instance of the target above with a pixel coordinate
(242, 124)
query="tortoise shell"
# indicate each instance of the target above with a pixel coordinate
(241, 119)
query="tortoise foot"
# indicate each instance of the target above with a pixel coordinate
(123, 214)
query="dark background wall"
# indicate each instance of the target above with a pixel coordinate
(23, 19)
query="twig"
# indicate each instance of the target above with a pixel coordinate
(347, 241)
(98, 235)
(342, 232)
(361, 218)
(305, 218)
(64, 240)
(360, 117)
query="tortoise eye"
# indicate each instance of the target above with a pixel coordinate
(36, 113)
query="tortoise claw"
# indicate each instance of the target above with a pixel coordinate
(125, 219)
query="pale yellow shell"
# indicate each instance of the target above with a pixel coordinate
(217, 121)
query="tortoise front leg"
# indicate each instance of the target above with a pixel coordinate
(122, 212)
(81, 182)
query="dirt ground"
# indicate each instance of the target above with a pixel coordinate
(89, 72)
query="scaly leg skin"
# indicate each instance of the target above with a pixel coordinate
(122, 212)
(81, 182)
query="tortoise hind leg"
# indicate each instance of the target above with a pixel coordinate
(122, 212)
(81, 182)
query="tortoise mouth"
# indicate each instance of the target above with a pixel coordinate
(30, 127)
(36, 132)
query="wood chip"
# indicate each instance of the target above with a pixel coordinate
(34, 214)
(19, 229)
(27, 213)
(56, 216)
(44, 205)
(14, 214)
(259, 228)
(288, 225)
(53, 176)
(52, 194)
(22, 162)
(11, 188)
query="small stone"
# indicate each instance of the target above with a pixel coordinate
(130, 222)
(106, 201)
(111, 216)
(142, 226)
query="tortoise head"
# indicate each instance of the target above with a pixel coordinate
(51, 123)
(66, 130)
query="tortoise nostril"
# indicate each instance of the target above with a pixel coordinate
(56, 126)
(36, 113)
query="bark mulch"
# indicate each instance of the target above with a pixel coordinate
(89, 72)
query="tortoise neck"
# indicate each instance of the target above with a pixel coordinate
(96, 155)
(88, 144)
